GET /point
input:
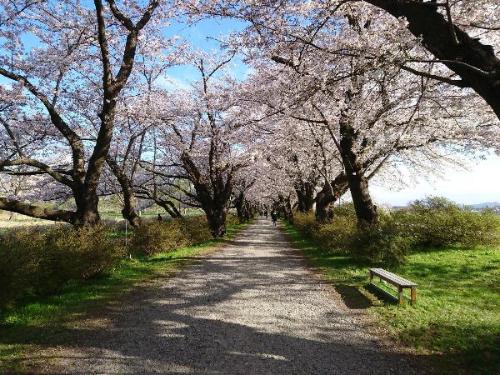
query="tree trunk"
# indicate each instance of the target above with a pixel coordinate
(305, 196)
(169, 206)
(249, 211)
(129, 213)
(87, 211)
(213, 195)
(326, 198)
(128, 210)
(239, 204)
(473, 61)
(37, 211)
(324, 201)
(366, 211)
(216, 218)
(243, 209)
(284, 207)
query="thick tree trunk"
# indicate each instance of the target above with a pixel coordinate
(284, 208)
(473, 61)
(129, 213)
(239, 204)
(86, 214)
(326, 198)
(128, 210)
(305, 196)
(87, 211)
(324, 201)
(213, 195)
(249, 212)
(288, 210)
(366, 211)
(243, 209)
(216, 218)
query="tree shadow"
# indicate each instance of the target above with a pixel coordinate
(214, 318)
(483, 346)
(153, 335)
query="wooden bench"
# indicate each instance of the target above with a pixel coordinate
(396, 281)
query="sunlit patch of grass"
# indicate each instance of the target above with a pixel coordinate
(458, 301)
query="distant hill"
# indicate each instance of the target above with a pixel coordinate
(483, 205)
(476, 207)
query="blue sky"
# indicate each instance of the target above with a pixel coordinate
(205, 35)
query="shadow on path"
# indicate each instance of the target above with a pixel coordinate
(251, 308)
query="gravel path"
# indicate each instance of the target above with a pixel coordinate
(252, 308)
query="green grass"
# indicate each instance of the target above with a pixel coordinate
(44, 321)
(458, 302)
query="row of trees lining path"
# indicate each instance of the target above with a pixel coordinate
(354, 91)
(274, 318)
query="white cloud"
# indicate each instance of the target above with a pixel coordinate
(170, 83)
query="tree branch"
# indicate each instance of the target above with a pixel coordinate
(36, 211)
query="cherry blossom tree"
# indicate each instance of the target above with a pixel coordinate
(201, 141)
(136, 121)
(380, 114)
(69, 86)
(340, 92)
(244, 206)
(452, 31)
(450, 39)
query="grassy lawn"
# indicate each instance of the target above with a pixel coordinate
(458, 302)
(40, 322)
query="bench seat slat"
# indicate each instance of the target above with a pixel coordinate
(392, 278)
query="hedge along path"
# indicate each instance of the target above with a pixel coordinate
(251, 308)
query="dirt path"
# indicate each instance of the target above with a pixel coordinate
(253, 308)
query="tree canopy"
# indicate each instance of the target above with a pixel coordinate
(338, 92)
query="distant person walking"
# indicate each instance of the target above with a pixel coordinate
(274, 217)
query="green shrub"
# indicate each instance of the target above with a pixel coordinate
(18, 263)
(305, 223)
(41, 261)
(76, 255)
(383, 243)
(197, 229)
(231, 219)
(345, 209)
(156, 237)
(430, 223)
(437, 222)
(337, 235)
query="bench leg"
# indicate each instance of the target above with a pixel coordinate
(400, 295)
(413, 295)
